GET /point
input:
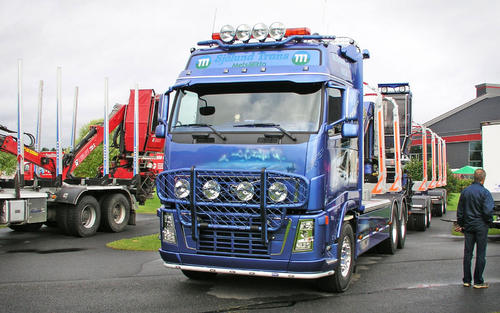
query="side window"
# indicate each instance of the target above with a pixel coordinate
(334, 105)
(188, 109)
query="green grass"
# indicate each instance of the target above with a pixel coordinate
(150, 206)
(144, 243)
(452, 201)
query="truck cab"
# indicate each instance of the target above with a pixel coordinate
(263, 175)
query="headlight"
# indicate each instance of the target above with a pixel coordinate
(168, 232)
(304, 239)
(244, 191)
(211, 189)
(260, 31)
(277, 192)
(227, 33)
(243, 32)
(277, 30)
(181, 188)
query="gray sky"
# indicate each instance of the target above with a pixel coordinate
(442, 48)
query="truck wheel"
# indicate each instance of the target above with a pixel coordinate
(444, 206)
(115, 212)
(429, 216)
(195, 275)
(83, 219)
(26, 227)
(62, 218)
(421, 221)
(389, 245)
(402, 227)
(437, 209)
(340, 280)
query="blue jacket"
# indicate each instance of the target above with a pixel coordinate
(475, 208)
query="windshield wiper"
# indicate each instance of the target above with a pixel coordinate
(277, 126)
(215, 131)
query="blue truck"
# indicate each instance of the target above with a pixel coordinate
(271, 160)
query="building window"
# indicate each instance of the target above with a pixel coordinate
(475, 154)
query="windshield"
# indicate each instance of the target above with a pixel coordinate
(247, 106)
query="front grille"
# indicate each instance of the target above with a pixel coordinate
(226, 225)
(232, 243)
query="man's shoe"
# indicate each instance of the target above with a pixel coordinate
(481, 286)
(466, 284)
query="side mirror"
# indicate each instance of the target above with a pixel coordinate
(160, 130)
(207, 110)
(349, 130)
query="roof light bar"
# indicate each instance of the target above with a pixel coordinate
(260, 32)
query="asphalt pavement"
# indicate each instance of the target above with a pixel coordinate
(47, 271)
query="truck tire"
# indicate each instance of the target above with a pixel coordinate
(421, 221)
(84, 218)
(390, 245)
(340, 280)
(195, 275)
(437, 209)
(26, 227)
(62, 218)
(115, 212)
(402, 226)
(429, 214)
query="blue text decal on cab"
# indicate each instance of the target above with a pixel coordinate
(256, 59)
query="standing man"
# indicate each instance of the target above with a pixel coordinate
(474, 215)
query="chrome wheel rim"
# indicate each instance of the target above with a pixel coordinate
(402, 228)
(394, 232)
(345, 257)
(118, 213)
(88, 216)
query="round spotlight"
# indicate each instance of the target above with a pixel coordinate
(402, 88)
(181, 188)
(260, 31)
(384, 90)
(277, 30)
(227, 33)
(211, 189)
(277, 192)
(244, 191)
(243, 32)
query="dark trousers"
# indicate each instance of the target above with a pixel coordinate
(478, 238)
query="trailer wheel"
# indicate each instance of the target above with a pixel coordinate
(421, 221)
(437, 209)
(26, 227)
(340, 280)
(402, 226)
(83, 219)
(389, 245)
(429, 215)
(115, 212)
(195, 275)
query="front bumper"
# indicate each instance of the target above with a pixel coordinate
(250, 267)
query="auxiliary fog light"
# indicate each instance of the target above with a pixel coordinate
(243, 32)
(181, 188)
(277, 30)
(211, 189)
(260, 31)
(244, 191)
(227, 33)
(168, 231)
(277, 192)
(304, 239)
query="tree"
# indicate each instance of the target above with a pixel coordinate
(8, 163)
(90, 166)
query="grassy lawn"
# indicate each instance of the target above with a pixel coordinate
(452, 206)
(144, 243)
(150, 206)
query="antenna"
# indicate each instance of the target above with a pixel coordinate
(215, 18)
